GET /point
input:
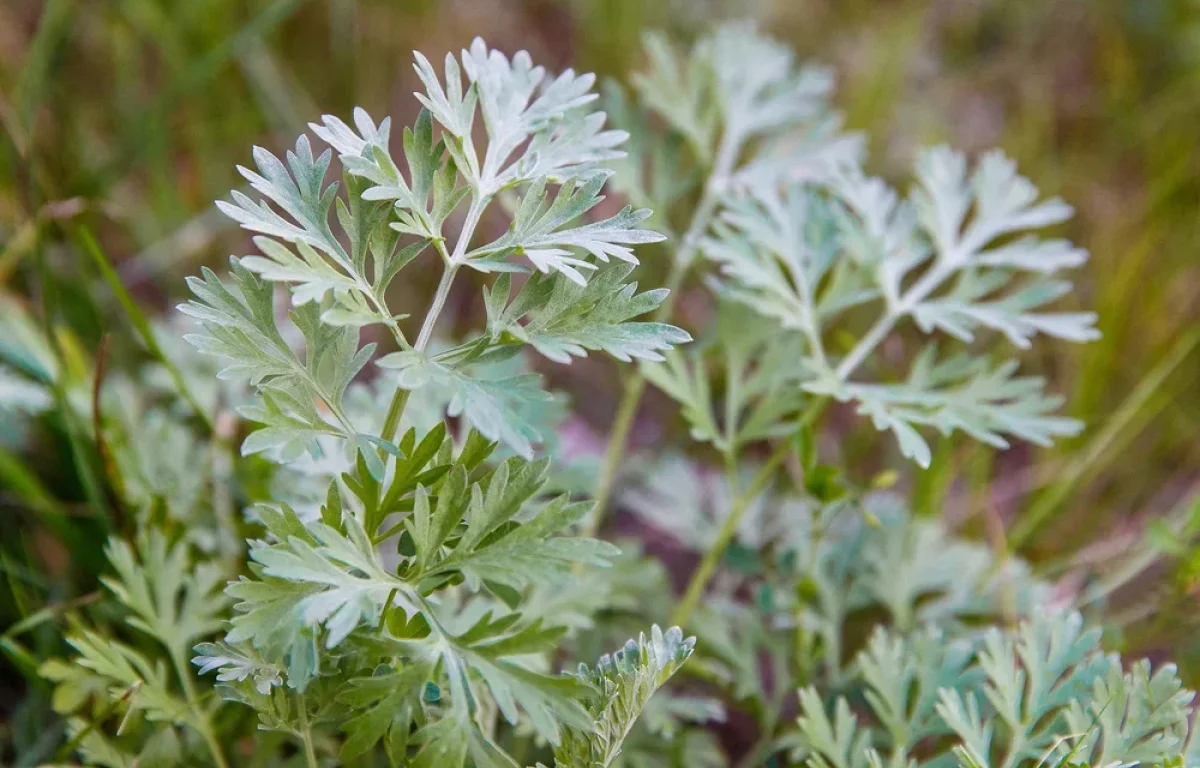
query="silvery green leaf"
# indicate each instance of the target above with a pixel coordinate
(956, 394)
(681, 90)
(239, 325)
(966, 307)
(492, 550)
(763, 375)
(655, 171)
(773, 119)
(124, 669)
(323, 264)
(691, 502)
(97, 749)
(452, 106)
(683, 377)
(500, 408)
(540, 231)
(490, 649)
(833, 742)
(623, 683)
(889, 237)
(538, 127)
(758, 85)
(1033, 675)
(237, 665)
(1139, 717)
(819, 152)
(311, 275)
(173, 599)
(776, 249)
(156, 453)
(904, 676)
(384, 706)
(562, 319)
(323, 579)
(962, 216)
(298, 190)
(518, 101)
(573, 149)
(423, 201)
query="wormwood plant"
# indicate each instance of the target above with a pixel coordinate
(396, 616)
(418, 571)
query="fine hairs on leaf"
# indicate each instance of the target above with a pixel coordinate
(623, 684)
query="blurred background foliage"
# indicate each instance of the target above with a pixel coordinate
(123, 120)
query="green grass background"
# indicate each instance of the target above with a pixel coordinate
(123, 119)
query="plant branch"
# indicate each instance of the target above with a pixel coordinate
(927, 284)
(708, 564)
(712, 557)
(452, 262)
(435, 309)
(203, 724)
(310, 751)
(618, 437)
(631, 397)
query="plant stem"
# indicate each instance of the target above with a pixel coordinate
(310, 751)
(708, 564)
(635, 385)
(203, 724)
(453, 261)
(395, 411)
(222, 486)
(631, 397)
(920, 290)
(435, 309)
(883, 326)
(731, 469)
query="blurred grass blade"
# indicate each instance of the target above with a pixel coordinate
(194, 76)
(1126, 423)
(25, 662)
(140, 323)
(18, 480)
(48, 613)
(53, 27)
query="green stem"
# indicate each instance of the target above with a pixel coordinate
(927, 284)
(631, 397)
(395, 411)
(203, 724)
(452, 261)
(883, 326)
(712, 557)
(435, 309)
(708, 564)
(635, 386)
(400, 399)
(731, 470)
(223, 452)
(310, 751)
